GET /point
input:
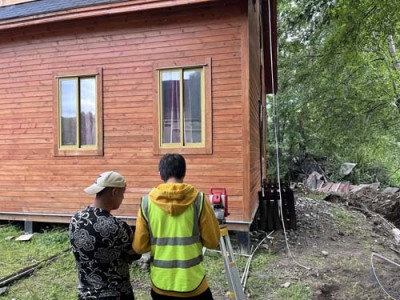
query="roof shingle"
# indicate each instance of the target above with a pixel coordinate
(46, 6)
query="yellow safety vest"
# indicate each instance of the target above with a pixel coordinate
(176, 249)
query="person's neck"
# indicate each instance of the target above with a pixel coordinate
(174, 180)
(100, 203)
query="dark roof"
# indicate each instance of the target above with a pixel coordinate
(46, 6)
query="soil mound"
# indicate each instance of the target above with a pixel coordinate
(340, 249)
(385, 203)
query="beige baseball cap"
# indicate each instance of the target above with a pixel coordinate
(106, 179)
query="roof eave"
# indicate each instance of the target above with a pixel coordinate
(94, 11)
(270, 45)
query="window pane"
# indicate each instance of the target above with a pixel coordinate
(88, 111)
(170, 107)
(192, 105)
(68, 92)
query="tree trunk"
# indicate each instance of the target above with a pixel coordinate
(396, 68)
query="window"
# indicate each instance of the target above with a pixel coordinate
(183, 108)
(79, 103)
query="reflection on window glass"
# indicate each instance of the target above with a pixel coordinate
(171, 119)
(88, 111)
(78, 111)
(68, 92)
(192, 105)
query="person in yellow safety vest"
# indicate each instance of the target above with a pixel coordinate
(174, 222)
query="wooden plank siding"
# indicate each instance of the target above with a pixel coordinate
(255, 96)
(125, 46)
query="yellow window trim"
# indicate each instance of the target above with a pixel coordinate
(78, 150)
(181, 100)
(205, 147)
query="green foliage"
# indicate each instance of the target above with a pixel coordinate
(339, 87)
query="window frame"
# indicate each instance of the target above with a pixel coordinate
(95, 150)
(205, 147)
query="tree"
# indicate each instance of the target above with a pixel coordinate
(339, 83)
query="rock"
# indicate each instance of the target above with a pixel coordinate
(396, 233)
(325, 253)
(3, 290)
(390, 190)
(285, 285)
(24, 237)
(145, 257)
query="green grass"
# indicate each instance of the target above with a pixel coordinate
(347, 222)
(313, 195)
(258, 280)
(296, 291)
(316, 260)
(16, 255)
(352, 263)
(371, 246)
(54, 281)
(58, 280)
(141, 282)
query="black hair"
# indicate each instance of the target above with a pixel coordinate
(172, 165)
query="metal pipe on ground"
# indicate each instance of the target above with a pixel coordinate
(247, 267)
(28, 270)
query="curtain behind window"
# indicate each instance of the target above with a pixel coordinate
(88, 111)
(192, 106)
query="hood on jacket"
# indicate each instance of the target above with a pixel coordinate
(173, 198)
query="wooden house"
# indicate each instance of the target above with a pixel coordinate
(95, 85)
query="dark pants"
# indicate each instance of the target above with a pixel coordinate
(206, 295)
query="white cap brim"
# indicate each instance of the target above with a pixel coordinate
(94, 189)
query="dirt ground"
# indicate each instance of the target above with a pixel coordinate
(328, 256)
(331, 253)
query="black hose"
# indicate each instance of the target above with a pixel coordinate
(28, 270)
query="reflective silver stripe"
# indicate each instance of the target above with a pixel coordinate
(197, 207)
(145, 207)
(184, 264)
(175, 241)
(145, 212)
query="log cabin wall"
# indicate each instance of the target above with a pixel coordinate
(35, 181)
(255, 96)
